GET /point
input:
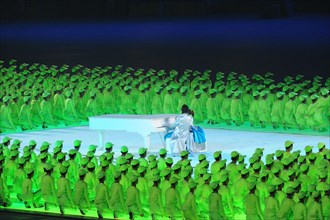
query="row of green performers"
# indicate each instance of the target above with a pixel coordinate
(37, 95)
(286, 185)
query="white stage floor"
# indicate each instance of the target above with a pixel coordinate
(244, 142)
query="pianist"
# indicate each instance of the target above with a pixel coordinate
(181, 137)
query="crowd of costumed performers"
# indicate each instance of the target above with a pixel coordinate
(40, 96)
(285, 184)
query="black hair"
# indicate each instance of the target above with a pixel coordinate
(185, 109)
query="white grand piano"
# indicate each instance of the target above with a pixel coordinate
(141, 124)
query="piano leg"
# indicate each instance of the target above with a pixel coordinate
(146, 139)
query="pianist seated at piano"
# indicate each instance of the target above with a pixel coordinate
(183, 134)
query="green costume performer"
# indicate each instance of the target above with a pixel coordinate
(264, 110)
(168, 106)
(155, 200)
(46, 111)
(81, 198)
(286, 207)
(277, 113)
(70, 114)
(299, 209)
(226, 107)
(189, 208)
(172, 201)
(236, 110)
(30, 195)
(197, 107)
(25, 115)
(6, 120)
(58, 104)
(48, 187)
(64, 192)
(133, 200)
(126, 105)
(314, 209)
(290, 109)
(321, 115)
(157, 102)
(102, 199)
(116, 193)
(271, 205)
(4, 196)
(252, 205)
(35, 110)
(216, 211)
(301, 113)
(91, 107)
(227, 200)
(183, 99)
(253, 110)
(141, 102)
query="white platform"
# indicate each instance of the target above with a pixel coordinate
(225, 140)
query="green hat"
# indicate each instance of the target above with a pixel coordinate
(323, 186)
(48, 166)
(63, 169)
(223, 178)
(166, 172)
(278, 153)
(234, 154)
(290, 190)
(91, 165)
(185, 173)
(26, 154)
(142, 150)
(185, 163)
(152, 164)
(45, 94)
(214, 185)
(104, 163)
(155, 178)
(173, 180)
(206, 176)
(279, 94)
(21, 160)
(6, 139)
(212, 91)
(82, 172)
(253, 159)
(169, 160)
(184, 153)
(14, 153)
(117, 174)
(43, 155)
(312, 156)
(29, 171)
(5, 99)
(128, 156)
(108, 145)
(269, 161)
(152, 157)
(303, 167)
(14, 147)
(286, 161)
(308, 148)
(271, 188)
(17, 142)
(201, 157)
(217, 154)
(56, 150)
(176, 167)
(320, 145)
(123, 167)
(197, 92)
(256, 166)
(77, 143)
(133, 178)
(32, 143)
(92, 147)
(72, 152)
(277, 181)
(84, 161)
(135, 162)
(124, 149)
(316, 194)
(142, 169)
(323, 174)
(204, 163)
(192, 184)
(244, 171)
(251, 185)
(100, 175)
(90, 154)
(58, 143)
(288, 144)
(162, 151)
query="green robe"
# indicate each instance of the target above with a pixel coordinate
(46, 112)
(70, 114)
(236, 111)
(25, 117)
(277, 112)
(173, 203)
(252, 207)
(168, 106)
(216, 210)
(286, 209)
(196, 106)
(189, 208)
(290, 109)
(157, 104)
(211, 109)
(271, 208)
(264, 111)
(155, 202)
(6, 120)
(133, 201)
